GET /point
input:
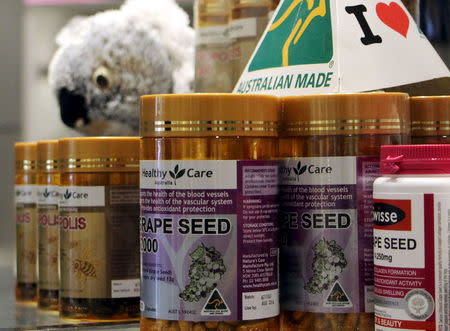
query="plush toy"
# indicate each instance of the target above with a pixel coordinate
(105, 62)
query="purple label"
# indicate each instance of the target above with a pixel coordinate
(209, 244)
(326, 234)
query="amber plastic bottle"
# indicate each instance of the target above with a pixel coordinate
(330, 148)
(48, 224)
(26, 222)
(202, 131)
(212, 57)
(430, 120)
(99, 238)
(249, 19)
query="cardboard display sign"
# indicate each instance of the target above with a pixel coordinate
(325, 46)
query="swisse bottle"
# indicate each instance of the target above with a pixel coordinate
(329, 145)
(212, 63)
(209, 221)
(99, 237)
(26, 221)
(411, 238)
(430, 120)
(249, 19)
(48, 224)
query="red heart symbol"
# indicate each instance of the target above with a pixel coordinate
(394, 17)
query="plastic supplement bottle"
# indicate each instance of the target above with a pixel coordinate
(99, 236)
(209, 222)
(212, 64)
(411, 238)
(329, 145)
(430, 120)
(48, 224)
(249, 19)
(26, 221)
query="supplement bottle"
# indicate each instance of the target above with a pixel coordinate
(411, 238)
(26, 221)
(209, 223)
(329, 147)
(48, 224)
(249, 19)
(430, 120)
(99, 236)
(212, 65)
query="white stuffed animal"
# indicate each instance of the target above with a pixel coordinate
(105, 62)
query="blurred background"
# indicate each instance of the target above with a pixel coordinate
(27, 38)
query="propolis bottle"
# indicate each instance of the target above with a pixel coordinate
(48, 196)
(99, 236)
(249, 19)
(212, 60)
(26, 221)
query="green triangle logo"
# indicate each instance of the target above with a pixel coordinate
(337, 297)
(301, 33)
(215, 305)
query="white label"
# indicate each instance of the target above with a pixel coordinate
(25, 194)
(125, 288)
(82, 196)
(315, 170)
(410, 238)
(262, 304)
(48, 194)
(212, 35)
(243, 27)
(178, 175)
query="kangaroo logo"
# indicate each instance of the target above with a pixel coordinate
(298, 23)
(67, 195)
(177, 173)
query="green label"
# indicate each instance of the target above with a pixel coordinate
(300, 34)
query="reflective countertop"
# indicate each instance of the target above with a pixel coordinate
(15, 316)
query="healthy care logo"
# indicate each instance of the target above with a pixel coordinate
(74, 195)
(297, 171)
(170, 177)
(298, 23)
(177, 173)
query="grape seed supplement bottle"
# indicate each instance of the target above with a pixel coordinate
(209, 221)
(212, 60)
(48, 224)
(329, 145)
(249, 19)
(26, 221)
(430, 120)
(99, 236)
(411, 238)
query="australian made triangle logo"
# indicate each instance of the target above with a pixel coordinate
(215, 305)
(300, 34)
(337, 297)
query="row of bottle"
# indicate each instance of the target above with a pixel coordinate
(77, 202)
(210, 180)
(227, 32)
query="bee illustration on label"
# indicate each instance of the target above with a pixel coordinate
(30, 257)
(84, 268)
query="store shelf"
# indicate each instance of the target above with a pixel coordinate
(24, 317)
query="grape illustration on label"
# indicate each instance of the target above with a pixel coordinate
(329, 262)
(206, 270)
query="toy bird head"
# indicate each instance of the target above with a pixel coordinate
(105, 62)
